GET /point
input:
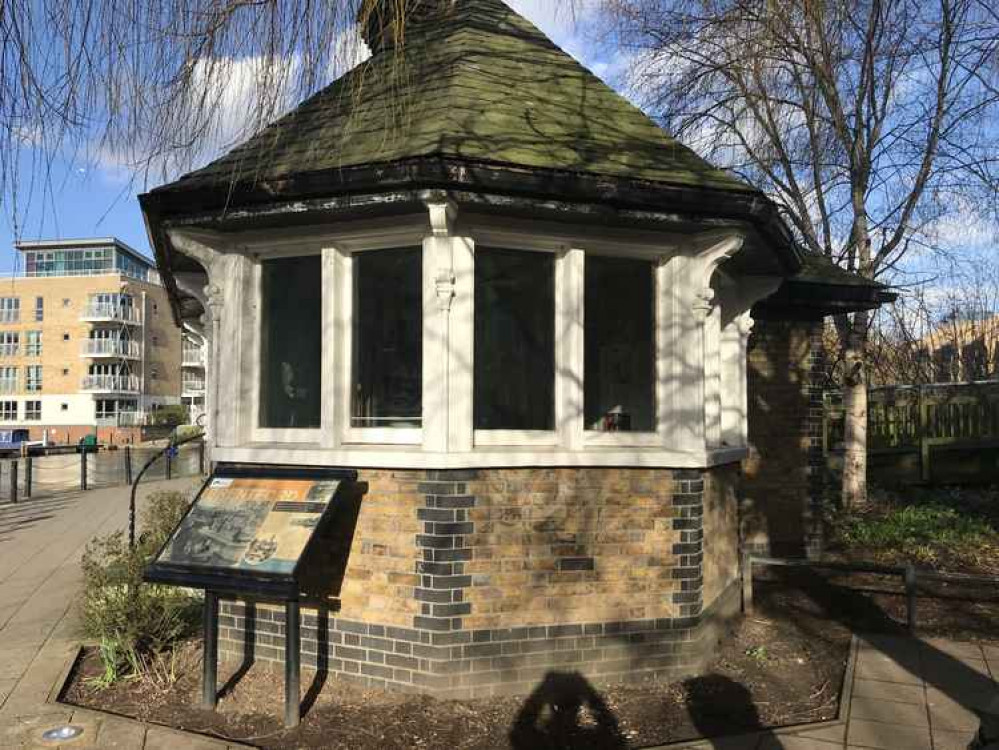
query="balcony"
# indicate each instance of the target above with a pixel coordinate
(9, 350)
(99, 312)
(122, 419)
(10, 316)
(110, 384)
(115, 348)
(9, 385)
(192, 388)
(192, 356)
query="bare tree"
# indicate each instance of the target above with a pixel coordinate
(866, 119)
(156, 87)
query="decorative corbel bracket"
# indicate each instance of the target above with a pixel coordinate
(444, 285)
(443, 213)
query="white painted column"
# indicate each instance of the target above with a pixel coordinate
(331, 336)
(570, 363)
(461, 346)
(709, 316)
(439, 282)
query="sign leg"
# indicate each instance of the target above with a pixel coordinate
(292, 665)
(211, 653)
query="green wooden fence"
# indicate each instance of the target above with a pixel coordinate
(932, 433)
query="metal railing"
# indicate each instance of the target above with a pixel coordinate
(105, 311)
(111, 383)
(9, 385)
(110, 348)
(192, 356)
(192, 386)
(909, 574)
(34, 476)
(10, 316)
(9, 350)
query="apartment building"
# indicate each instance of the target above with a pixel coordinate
(87, 343)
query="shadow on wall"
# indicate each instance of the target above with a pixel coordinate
(564, 711)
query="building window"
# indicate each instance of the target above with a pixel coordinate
(65, 337)
(65, 301)
(39, 309)
(33, 378)
(33, 343)
(8, 411)
(9, 343)
(64, 407)
(8, 379)
(10, 309)
(154, 373)
(387, 339)
(65, 371)
(514, 367)
(291, 342)
(619, 345)
(32, 411)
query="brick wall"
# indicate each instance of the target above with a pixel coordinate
(477, 582)
(782, 490)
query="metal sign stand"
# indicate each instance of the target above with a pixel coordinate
(292, 660)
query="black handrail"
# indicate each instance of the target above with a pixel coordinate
(174, 443)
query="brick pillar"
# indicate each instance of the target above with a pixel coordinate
(442, 546)
(688, 500)
(814, 385)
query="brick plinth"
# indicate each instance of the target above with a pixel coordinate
(477, 582)
(783, 488)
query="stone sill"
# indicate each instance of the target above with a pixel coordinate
(414, 457)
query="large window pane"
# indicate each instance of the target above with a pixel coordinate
(619, 373)
(514, 340)
(387, 356)
(291, 342)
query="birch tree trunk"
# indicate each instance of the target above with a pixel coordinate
(854, 491)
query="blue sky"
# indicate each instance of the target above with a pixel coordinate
(93, 199)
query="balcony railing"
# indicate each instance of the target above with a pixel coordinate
(110, 348)
(122, 419)
(192, 357)
(192, 386)
(111, 383)
(103, 311)
(9, 350)
(9, 385)
(10, 316)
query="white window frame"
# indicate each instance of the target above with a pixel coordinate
(32, 415)
(595, 438)
(258, 434)
(6, 412)
(343, 312)
(10, 343)
(535, 438)
(33, 344)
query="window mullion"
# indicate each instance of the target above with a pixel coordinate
(570, 359)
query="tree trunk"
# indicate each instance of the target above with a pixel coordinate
(855, 415)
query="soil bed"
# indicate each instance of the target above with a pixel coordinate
(783, 665)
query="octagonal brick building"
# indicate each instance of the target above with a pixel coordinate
(474, 273)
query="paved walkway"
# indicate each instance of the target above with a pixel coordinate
(902, 694)
(41, 542)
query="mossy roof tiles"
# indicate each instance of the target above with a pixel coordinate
(480, 84)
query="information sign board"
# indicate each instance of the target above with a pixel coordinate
(247, 530)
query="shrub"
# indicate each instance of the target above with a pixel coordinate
(923, 532)
(169, 415)
(135, 623)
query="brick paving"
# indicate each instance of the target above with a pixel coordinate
(903, 694)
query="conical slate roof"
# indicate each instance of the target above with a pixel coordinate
(474, 82)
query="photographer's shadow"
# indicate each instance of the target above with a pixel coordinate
(565, 713)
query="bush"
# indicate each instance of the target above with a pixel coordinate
(135, 623)
(169, 415)
(924, 533)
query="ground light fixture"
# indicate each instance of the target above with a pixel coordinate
(63, 733)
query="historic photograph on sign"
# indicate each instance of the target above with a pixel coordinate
(250, 524)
